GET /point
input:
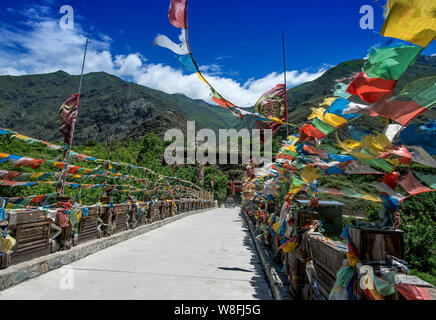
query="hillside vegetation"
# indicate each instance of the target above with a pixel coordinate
(30, 105)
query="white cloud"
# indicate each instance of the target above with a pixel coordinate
(43, 47)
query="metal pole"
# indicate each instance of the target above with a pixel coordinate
(83, 67)
(286, 94)
(69, 148)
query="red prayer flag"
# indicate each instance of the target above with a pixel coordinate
(178, 13)
(33, 163)
(73, 170)
(38, 199)
(309, 133)
(316, 151)
(67, 116)
(391, 180)
(400, 151)
(413, 186)
(8, 183)
(223, 103)
(412, 292)
(11, 175)
(370, 89)
(399, 110)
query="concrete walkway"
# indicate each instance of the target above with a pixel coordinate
(210, 255)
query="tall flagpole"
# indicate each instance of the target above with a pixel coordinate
(72, 135)
(286, 93)
(83, 67)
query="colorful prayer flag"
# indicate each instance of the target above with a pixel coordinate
(272, 103)
(413, 186)
(411, 20)
(177, 13)
(370, 89)
(391, 59)
(67, 116)
(420, 135)
(310, 133)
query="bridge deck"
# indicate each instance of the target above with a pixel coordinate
(206, 256)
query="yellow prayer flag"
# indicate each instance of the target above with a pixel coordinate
(276, 227)
(277, 120)
(290, 148)
(79, 215)
(309, 174)
(411, 20)
(375, 144)
(333, 120)
(36, 175)
(7, 244)
(349, 145)
(328, 101)
(293, 139)
(290, 246)
(371, 197)
(21, 137)
(352, 259)
(294, 190)
(59, 165)
(316, 112)
(202, 78)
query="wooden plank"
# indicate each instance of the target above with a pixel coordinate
(120, 221)
(32, 231)
(324, 278)
(22, 217)
(297, 273)
(93, 210)
(325, 293)
(327, 256)
(29, 255)
(305, 218)
(30, 246)
(375, 245)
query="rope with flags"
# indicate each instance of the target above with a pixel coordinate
(178, 16)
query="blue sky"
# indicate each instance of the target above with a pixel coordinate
(237, 43)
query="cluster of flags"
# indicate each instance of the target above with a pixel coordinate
(307, 157)
(35, 163)
(172, 186)
(32, 200)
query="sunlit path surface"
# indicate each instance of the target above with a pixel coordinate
(205, 256)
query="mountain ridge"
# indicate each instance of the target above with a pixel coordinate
(105, 109)
(30, 104)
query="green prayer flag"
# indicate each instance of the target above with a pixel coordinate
(422, 91)
(428, 179)
(296, 182)
(379, 163)
(391, 63)
(322, 126)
